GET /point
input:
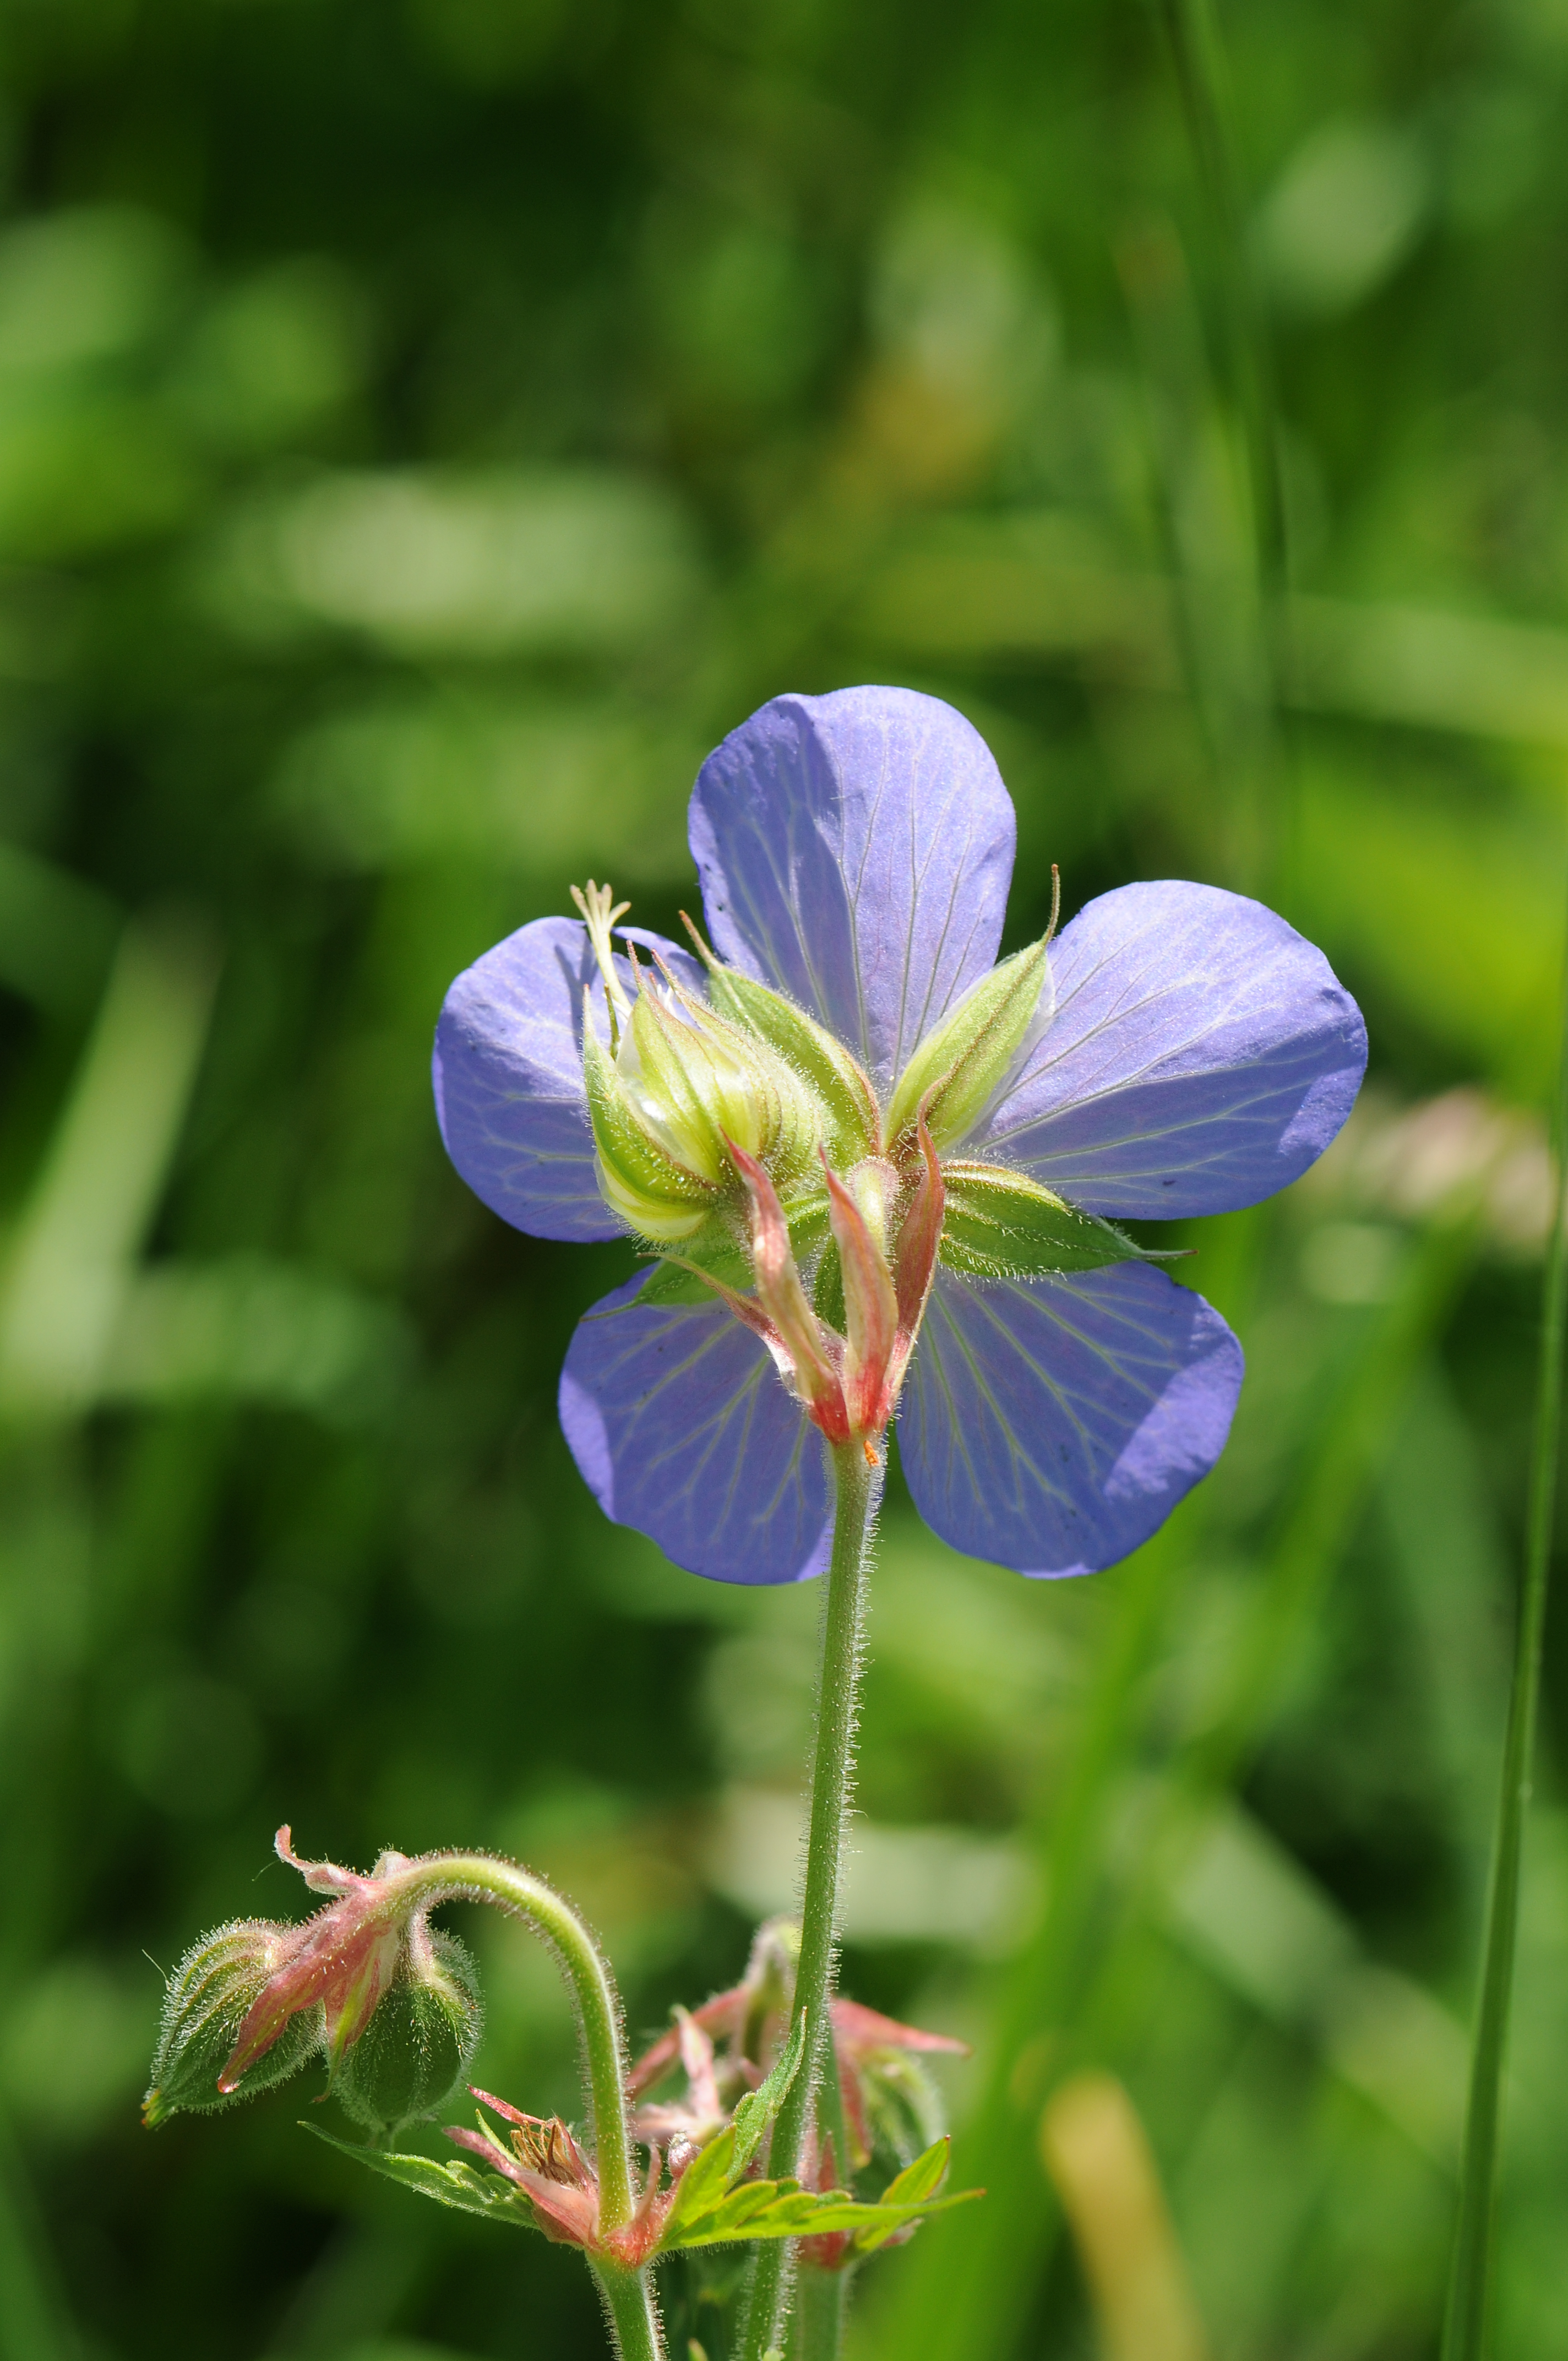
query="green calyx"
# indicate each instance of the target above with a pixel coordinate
(956, 1069)
(685, 1080)
(851, 1121)
(999, 1225)
(651, 1191)
(416, 2049)
(209, 1995)
(716, 1252)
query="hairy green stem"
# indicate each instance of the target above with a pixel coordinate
(857, 1486)
(632, 2315)
(1464, 2326)
(477, 1877)
(819, 2308)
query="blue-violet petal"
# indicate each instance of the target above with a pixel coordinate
(1052, 1425)
(855, 852)
(677, 1418)
(1201, 1056)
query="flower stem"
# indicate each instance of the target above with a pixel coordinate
(630, 2307)
(822, 2303)
(859, 1488)
(1465, 2327)
(478, 1877)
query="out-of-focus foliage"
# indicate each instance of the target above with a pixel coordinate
(425, 427)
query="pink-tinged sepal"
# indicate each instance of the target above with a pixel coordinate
(807, 1360)
(919, 1244)
(561, 2187)
(545, 2162)
(870, 1307)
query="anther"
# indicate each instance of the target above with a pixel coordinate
(1055, 901)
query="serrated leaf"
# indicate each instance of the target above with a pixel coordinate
(457, 2184)
(917, 2183)
(782, 2209)
(707, 2181)
(1000, 1225)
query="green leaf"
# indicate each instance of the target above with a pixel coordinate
(707, 2181)
(782, 2209)
(455, 2184)
(1000, 1225)
(916, 2182)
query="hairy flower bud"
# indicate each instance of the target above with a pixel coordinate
(417, 2046)
(208, 1998)
(682, 1083)
(959, 1067)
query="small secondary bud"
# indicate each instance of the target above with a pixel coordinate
(416, 2050)
(210, 1995)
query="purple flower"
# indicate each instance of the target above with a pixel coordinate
(879, 1170)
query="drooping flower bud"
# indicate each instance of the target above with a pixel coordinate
(209, 1996)
(418, 2045)
(392, 2004)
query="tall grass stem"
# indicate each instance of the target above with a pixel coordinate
(1474, 2245)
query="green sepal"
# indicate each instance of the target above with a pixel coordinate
(716, 1250)
(457, 2184)
(1000, 1225)
(207, 2000)
(956, 1067)
(646, 1184)
(827, 1290)
(838, 1084)
(416, 2050)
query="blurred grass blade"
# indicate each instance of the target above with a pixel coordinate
(1194, 36)
(105, 1169)
(34, 2323)
(1194, 39)
(56, 933)
(1098, 2155)
(1464, 2328)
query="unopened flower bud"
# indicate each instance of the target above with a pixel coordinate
(209, 1996)
(417, 2047)
(681, 1085)
(959, 1067)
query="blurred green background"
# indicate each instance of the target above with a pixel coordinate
(425, 427)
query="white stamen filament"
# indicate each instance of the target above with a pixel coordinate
(600, 910)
